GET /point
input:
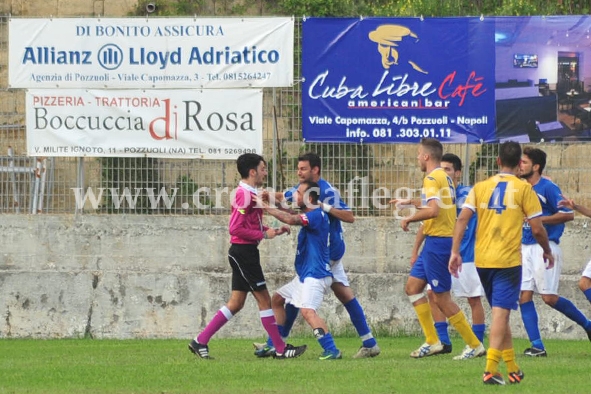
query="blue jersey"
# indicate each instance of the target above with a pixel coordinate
(467, 245)
(312, 258)
(549, 194)
(329, 195)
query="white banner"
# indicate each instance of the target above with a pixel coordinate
(208, 124)
(151, 53)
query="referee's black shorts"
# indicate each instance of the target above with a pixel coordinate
(247, 273)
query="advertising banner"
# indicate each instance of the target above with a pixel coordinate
(397, 80)
(151, 53)
(208, 124)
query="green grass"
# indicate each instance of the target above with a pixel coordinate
(166, 366)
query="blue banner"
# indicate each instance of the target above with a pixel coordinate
(397, 80)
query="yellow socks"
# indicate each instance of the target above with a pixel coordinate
(427, 324)
(493, 356)
(461, 325)
(509, 359)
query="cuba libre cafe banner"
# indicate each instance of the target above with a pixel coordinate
(397, 80)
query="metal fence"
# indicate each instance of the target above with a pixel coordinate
(367, 175)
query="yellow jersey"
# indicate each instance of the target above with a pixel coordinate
(437, 185)
(501, 203)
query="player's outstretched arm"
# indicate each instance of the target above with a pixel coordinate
(343, 215)
(570, 203)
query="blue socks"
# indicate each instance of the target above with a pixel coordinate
(588, 294)
(442, 333)
(478, 330)
(530, 322)
(360, 323)
(568, 309)
(327, 343)
(355, 313)
(291, 314)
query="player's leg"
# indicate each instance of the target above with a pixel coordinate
(414, 288)
(342, 290)
(474, 348)
(309, 300)
(437, 252)
(278, 302)
(550, 292)
(245, 264)
(585, 281)
(440, 320)
(468, 285)
(199, 345)
(478, 323)
(499, 328)
(529, 315)
(268, 320)
(585, 286)
(285, 312)
(502, 290)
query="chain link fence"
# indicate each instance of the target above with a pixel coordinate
(367, 175)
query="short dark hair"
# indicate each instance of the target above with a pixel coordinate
(537, 156)
(313, 190)
(247, 162)
(434, 147)
(510, 154)
(313, 159)
(455, 161)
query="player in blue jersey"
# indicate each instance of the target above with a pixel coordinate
(535, 275)
(309, 168)
(585, 281)
(468, 284)
(312, 264)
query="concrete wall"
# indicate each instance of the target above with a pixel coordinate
(166, 276)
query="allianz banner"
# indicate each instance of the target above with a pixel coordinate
(142, 53)
(395, 80)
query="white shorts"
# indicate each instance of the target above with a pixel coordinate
(535, 276)
(587, 270)
(309, 294)
(468, 284)
(338, 272)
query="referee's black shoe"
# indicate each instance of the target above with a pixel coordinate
(200, 350)
(291, 351)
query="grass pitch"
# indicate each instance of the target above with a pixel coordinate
(167, 366)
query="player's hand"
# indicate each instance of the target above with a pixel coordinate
(283, 230)
(404, 224)
(413, 258)
(402, 203)
(260, 203)
(455, 264)
(549, 260)
(567, 203)
(264, 195)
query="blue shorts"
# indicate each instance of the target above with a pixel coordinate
(432, 264)
(501, 286)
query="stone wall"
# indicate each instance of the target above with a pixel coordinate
(118, 276)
